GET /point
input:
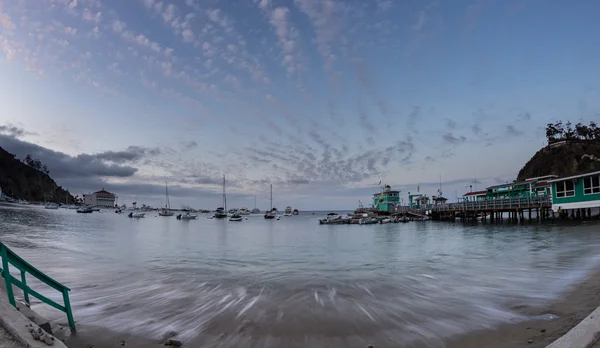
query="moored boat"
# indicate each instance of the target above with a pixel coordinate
(220, 213)
(187, 216)
(288, 211)
(136, 214)
(236, 217)
(271, 214)
(51, 206)
(84, 210)
(295, 212)
(244, 211)
(167, 210)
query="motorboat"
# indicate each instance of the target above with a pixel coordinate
(232, 211)
(187, 216)
(386, 221)
(95, 209)
(236, 217)
(332, 219)
(255, 211)
(136, 214)
(295, 212)
(84, 210)
(278, 217)
(51, 206)
(244, 211)
(368, 221)
(288, 211)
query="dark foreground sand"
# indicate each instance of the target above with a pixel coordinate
(571, 309)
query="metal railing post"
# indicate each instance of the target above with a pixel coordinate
(25, 287)
(7, 279)
(68, 309)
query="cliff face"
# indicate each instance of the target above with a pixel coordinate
(562, 160)
(20, 181)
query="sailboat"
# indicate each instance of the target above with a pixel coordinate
(271, 214)
(255, 210)
(167, 211)
(221, 212)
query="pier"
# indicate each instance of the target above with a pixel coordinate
(517, 208)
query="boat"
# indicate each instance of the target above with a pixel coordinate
(244, 211)
(332, 219)
(288, 211)
(221, 212)
(255, 210)
(51, 206)
(167, 210)
(295, 212)
(232, 211)
(95, 209)
(84, 210)
(236, 217)
(118, 211)
(271, 214)
(368, 221)
(136, 214)
(187, 216)
(386, 221)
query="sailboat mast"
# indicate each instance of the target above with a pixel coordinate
(224, 195)
(254, 201)
(167, 194)
(271, 196)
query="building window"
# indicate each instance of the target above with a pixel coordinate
(565, 188)
(591, 184)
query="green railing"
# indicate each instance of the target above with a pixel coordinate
(9, 257)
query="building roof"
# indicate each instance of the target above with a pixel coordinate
(475, 193)
(541, 183)
(520, 183)
(104, 192)
(596, 172)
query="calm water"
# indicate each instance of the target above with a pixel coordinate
(295, 283)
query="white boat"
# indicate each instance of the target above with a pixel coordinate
(244, 211)
(187, 216)
(84, 210)
(51, 206)
(136, 214)
(278, 217)
(288, 211)
(235, 217)
(167, 210)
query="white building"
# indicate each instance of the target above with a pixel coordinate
(101, 199)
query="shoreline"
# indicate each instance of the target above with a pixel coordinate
(571, 308)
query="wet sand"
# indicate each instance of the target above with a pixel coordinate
(570, 310)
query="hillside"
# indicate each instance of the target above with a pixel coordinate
(565, 159)
(21, 181)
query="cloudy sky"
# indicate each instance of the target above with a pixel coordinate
(321, 98)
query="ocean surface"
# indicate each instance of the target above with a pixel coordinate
(293, 282)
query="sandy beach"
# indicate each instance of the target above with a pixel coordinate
(570, 310)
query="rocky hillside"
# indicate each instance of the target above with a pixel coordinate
(21, 181)
(563, 159)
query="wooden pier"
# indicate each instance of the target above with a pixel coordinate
(515, 209)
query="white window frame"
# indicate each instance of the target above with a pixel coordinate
(591, 189)
(565, 193)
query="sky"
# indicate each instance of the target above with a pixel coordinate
(323, 99)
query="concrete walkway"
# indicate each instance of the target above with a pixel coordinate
(7, 341)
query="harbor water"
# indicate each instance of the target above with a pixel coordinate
(295, 283)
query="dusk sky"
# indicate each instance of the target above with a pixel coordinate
(321, 98)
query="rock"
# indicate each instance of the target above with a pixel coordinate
(46, 327)
(543, 330)
(370, 346)
(168, 335)
(48, 339)
(173, 343)
(122, 342)
(530, 341)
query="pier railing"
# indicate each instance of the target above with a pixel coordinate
(11, 258)
(496, 204)
(482, 205)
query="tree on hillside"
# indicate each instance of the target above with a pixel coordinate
(557, 132)
(36, 164)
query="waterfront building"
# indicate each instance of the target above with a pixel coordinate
(417, 201)
(475, 196)
(576, 192)
(100, 198)
(386, 200)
